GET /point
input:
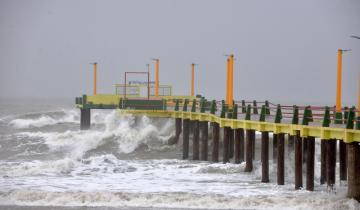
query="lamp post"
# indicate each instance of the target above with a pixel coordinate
(358, 108)
(193, 78)
(95, 77)
(338, 111)
(157, 63)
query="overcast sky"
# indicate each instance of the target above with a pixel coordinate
(286, 51)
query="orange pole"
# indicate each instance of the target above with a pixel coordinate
(228, 81)
(338, 81)
(157, 78)
(192, 79)
(231, 80)
(94, 91)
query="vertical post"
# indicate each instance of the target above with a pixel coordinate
(249, 143)
(326, 123)
(95, 78)
(196, 140)
(226, 145)
(330, 162)
(148, 81)
(204, 134)
(280, 159)
(186, 138)
(157, 78)
(310, 163)
(215, 135)
(239, 145)
(298, 161)
(354, 170)
(231, 138)
(228, 81)
(265, 156)
(231, 80)
(338, 81)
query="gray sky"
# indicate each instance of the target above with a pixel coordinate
(285, 50)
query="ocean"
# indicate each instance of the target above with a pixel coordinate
(126, 162)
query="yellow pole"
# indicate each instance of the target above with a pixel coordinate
(94, 91)
(338, 81)
(192, 79)
(231, 80)
(228, 81)
(157, 78)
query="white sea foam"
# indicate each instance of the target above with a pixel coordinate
(297, 201)
(69, 116)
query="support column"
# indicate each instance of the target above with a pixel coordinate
(290, 143)
(275, 143)
(204, 140)
(310, 163)
(177, 129)
(85, 119)
(226, 145)
(330, 162)
(354, 170)
(231, 143)
(280, 159)
(342, 160)
(305, 146)
(323, 162)
(249, 148)
(196, 142)
(215, 136)
(265, 156)
(239, 145)
(186, 131)
(254, 143)
(298, 161)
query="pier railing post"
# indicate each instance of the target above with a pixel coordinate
(186, 123)
(264, 148)
(280, 149)
(325, 123)
(309, 151)
(215, 134)
(204, 133)
(353, 149)
(249, 143)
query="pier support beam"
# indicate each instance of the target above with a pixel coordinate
(249, 149)
(290, 143)
(265, 156)
(330, 162)
(310, 158)
(196, 142)
(239, 145)
(231, 143)
(323, 162)
(254, 143)
(275, 143)
(85, 119)
(305, 146)
(298, 161)
(186, 131)
(226, 145)
(204, 140)
(280, 159)
(354, 170)
(216, 138)
(342, 160)
(177, 129)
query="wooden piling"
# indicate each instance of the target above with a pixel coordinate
(231, 143)
(239, 145)
(226, 145)
(323, 162)
(249, 145)
(186, 132)
(204, 140)
(298, 161)
(342, 160)
(354, 170)
(310, 163)
(85, 119)
(177, 129)
(216, 138)
(265, 156)
(305, 146)
(330, 162)
(196, 142)
(275, 143)
(280, 158)
(290, 143)
(254, 143)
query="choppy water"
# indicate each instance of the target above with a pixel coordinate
(123, 161)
